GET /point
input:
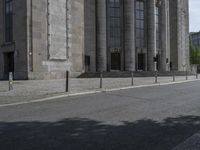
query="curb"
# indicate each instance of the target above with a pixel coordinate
(94, 92)
(150, 85)
(50, 98)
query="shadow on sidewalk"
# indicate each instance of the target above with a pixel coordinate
(85, 134)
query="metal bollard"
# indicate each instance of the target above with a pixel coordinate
(186, 73)
(10, 81)
(67, 82)
(174, 79)
(156, 76)
(101, 79)
(132, 76)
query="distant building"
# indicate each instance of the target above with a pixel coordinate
(41, 39)
(195, 37)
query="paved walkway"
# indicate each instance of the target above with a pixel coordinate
(35, 89)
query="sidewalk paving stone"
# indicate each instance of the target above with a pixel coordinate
(37, 89)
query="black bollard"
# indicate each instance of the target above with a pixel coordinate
(101, 79)
(186, 74)
(156, 76)
(174, 79)
(67, 81)
(132, 76)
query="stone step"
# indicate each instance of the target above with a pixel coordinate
(128, 74)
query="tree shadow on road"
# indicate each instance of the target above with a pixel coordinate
(85, 134)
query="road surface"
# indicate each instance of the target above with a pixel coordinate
(151, 118)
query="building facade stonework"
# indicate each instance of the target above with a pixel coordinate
(42, 39)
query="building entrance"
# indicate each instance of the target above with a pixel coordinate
(141, 62)
(8, 64)
(115, 61)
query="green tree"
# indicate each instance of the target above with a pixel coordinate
(194, 54)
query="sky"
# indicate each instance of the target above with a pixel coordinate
(194, 15)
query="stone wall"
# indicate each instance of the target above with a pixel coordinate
(37, 38)
(48, 40)
(51, 37)
(58, 38)
(20, 38)
(19, 44)
(57, 28)
(76, 41)
(90, 33)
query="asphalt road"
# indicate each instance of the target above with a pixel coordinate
(152, 118)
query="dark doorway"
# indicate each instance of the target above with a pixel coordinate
(8, 64)
(87, 63)
(141, 61)
(115, 61)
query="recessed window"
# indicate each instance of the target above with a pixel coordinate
(139, 24)
(8, 20)
(157, 28)
(115, 23)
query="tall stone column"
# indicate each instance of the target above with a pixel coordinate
(101, 35)
(165, 36)
(179, 33)
(129, 14)
(151, 34)
(183, 34)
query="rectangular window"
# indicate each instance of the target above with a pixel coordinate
(8, 20)
(115, 23)
(139, 24)
(157, 28)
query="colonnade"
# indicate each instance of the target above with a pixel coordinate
(129, 35)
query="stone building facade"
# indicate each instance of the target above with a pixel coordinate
(128, 34)
(41, 39)
(46, 38)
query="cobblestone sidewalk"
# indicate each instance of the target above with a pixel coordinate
(35, 89)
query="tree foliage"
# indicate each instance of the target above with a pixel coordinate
(194, 54)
